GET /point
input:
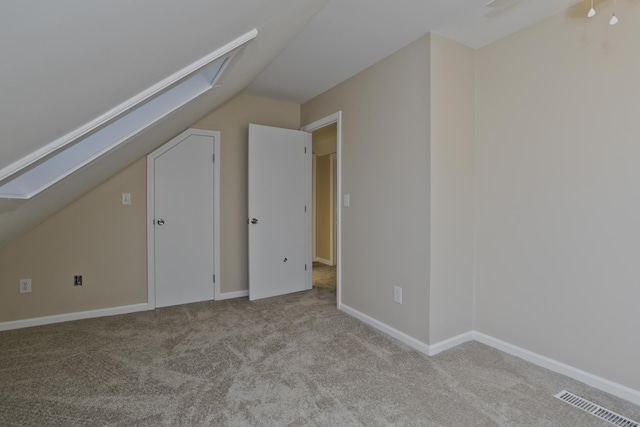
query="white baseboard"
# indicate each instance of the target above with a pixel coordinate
(231, 295)
(324, 261)
(47, 320)
(592, 380)
(383, 327)
(450, 343)
(595, 381)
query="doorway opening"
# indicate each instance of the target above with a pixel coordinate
(324, 148)
(326, 212)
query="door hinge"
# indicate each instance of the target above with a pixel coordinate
(213, 158)
(305, 267)
(305, 150)
(305, 208)
(214, 278)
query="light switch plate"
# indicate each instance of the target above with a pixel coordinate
(126, 199)
(397, 294)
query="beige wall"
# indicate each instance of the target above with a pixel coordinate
(106, 242)
(556, 197)
(325, 140)
(232, 120)
(558, 191)
(453, 94)
(323, 207)
(95, 237)
(385, 169)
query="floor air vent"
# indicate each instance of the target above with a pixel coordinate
(596, 410)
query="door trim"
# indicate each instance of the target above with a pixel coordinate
(314, 215)
(326, 121)
(332, 208)
(151, 277)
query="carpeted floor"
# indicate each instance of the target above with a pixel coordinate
(286, 361)
(324, 276)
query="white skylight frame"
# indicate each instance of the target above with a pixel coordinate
(60, 158)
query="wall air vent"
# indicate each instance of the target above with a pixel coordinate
(596, 410)
(43, 168)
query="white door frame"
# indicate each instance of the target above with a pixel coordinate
(326, 121)
(333, 206)
(151, 275)
(314, 214)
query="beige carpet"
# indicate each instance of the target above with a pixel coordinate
(286, 361)
(324, 276)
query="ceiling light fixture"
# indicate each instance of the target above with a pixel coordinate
(614, 18)
(592, 11)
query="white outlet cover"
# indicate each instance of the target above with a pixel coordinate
(126, 199)
(25, 286)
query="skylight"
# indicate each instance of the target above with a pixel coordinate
(29, 176)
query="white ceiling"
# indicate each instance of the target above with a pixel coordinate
(347, 36)
(65, 62)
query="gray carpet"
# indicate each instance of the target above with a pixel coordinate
(285, 361)
(324, 276)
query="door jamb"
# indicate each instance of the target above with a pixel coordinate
(313, 210)
(151, 279)
(326, 121)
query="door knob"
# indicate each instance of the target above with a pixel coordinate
(254, 221)
(161, 222)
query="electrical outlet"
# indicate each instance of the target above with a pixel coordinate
(25, 286)
(397, 294)
(77, 280)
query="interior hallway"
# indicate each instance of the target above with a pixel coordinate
(324, 276)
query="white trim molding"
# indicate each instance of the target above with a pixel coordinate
(450, 343)
(592, 380)
(232, 295)
(59, 318)
(59, 159)
(383, 327)
(318, 124)
(124, 108)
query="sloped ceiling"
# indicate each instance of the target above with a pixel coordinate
(347, 36)
(66, 62)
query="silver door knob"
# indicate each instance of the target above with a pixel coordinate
(161, 222)
(254, 221)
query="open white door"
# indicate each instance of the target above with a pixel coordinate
(279, 211)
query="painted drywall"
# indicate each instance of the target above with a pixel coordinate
(558, 199)
(385, 170)
(105, 242)
(96, 237)
(232, 120)
(323, 207)
(325, 141)
(86, 88)
(453, 124)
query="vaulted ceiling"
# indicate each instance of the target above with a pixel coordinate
(65, 63)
